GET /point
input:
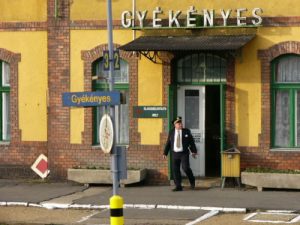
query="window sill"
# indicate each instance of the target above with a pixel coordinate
(96, 146)
(285, 149)
(4, 143)
(122, 145)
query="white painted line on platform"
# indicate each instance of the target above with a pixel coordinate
(250, 216)
(17, 204)
(99, 207)
(267, 221)
(280, 211)
(49, 205)
(167, 207)
(189, 207)
(85, 218)
(204, 217)
(55, 205)
(143, 206)
(234, 210)
(78, 206)
(35, 205)
(207, 208)
(226, 210)
(178, 207)
(294, 220)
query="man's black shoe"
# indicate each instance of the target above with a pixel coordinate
(177, 189)
(192, 186)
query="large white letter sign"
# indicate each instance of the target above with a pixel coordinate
(254, 14)
(191, 17)
(155, 19)
(141, 17)
(126, 22)
(225, 16)
(173, 18)
(240, 18)
(208, 17)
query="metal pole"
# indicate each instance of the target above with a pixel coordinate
(114, 166)
(133, 18)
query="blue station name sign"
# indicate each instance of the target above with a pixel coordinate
(96, 98)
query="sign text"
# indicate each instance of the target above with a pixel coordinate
(192, 16)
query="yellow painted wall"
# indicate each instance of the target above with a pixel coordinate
(248, 82)
(96, 9)
(150, 94)
(86, 40)
(23, 10)
(32, 81)
(289, 8)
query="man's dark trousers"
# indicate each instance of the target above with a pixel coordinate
(183, 159)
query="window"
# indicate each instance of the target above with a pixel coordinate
(121, 111)
(5, 101)
(203, 67)
(286, 102)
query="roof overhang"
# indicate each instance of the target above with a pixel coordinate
(149, 46)
(188, 43)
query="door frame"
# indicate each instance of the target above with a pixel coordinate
(172, 113)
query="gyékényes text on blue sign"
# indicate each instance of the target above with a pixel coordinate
(89, 99)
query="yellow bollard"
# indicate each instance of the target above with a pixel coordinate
(116, 210)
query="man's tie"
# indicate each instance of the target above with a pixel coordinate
(178, 144)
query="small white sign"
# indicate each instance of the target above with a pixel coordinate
(40, 166)
(106, 133)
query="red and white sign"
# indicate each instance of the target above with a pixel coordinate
(40, 166)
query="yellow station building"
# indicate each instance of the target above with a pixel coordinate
(230, 69)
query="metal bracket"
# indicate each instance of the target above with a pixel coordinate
(152, 56)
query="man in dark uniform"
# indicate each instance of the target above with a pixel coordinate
(181, 143)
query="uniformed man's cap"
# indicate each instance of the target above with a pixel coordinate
(177, 120)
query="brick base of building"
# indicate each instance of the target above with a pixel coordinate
(17, 172)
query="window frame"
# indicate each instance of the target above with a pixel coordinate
(3, 89)
(103, 86)
(292, 88)
(217, 62)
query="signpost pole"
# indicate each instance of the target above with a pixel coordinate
(116, 201)
(114, 167)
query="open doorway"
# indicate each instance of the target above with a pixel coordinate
(212, 131)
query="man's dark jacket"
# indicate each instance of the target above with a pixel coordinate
(188, 143)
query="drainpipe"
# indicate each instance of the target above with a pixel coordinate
(55, 9)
